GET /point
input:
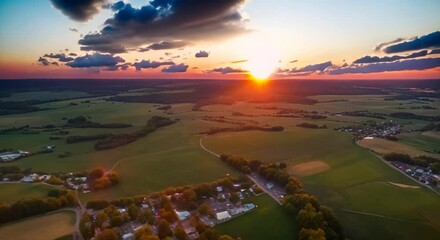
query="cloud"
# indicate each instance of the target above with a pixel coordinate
(175, 68)
(43, 61)
(380, 46)
(73, 29)
(165, 45)
(79, 10)
(150, 64)
(95, 60)
(167, 20)
(313, 68)
(73, 54)
(239, 61)
(412, 64)
(227, 70)
(431, 40)
(435, 51)
(202, 54)
(60, 56)
(293, 61)
(374, 59)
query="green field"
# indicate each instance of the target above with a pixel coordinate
(11, 192)
(267, 221)
(43, 227)
(44, 95)
(422, 142)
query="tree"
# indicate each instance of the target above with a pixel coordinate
(116, 221)
(96, 173)
(234, 198)
(163, 229)
(225, 237)
(180, 233)
(309, 217)
(107, 234)
(133, 212)
(205, 209)
(311, 234)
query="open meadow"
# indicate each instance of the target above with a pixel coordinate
(44, 227)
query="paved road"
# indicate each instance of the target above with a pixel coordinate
(254, 179)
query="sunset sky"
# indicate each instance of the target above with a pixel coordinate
(223, 39)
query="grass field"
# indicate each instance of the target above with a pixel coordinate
(44, 95)
(411, 145)
(11, 192)
(267, 221)
(43, 227)
(425, 142)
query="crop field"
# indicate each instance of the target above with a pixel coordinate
(267, 221)
(411, 145)
(427, 143)
(11, 192)
(44, 227)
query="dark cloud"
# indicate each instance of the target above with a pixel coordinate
(380, 46)
(412, 64)
(167, 20)
(105, 48)
(374, 59)
(150, 64)
(202, 54)
(293, 61)
(239, 61)
(60, 56)
(428, 41)
(227, 70)
(313, 68)
(165, 45)
(79, 10)
(435, 51)
(175, 68)
(43, 61)
(95, 60)
(73, 29)
(73, 54)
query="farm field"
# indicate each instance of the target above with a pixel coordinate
(424, 142)
(356, 180)
(43, 227)
(11, 192)
(267, 221)
(413, 146)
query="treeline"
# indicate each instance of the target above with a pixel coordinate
(407, 115)
(118, 140)
(421, 161)
(31, 207)
(17, 107)
(76, 139)
(84, 122)
(14, 129)
(316, 221)
(311, 125)
(431, 127)
(213, 131)
(364, 113)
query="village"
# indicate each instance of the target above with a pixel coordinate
(383, 130)
(423, 175)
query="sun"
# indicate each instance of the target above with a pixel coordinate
(262, 57)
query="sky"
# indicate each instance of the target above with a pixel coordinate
(223, 39)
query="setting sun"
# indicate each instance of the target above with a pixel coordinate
(262, 56)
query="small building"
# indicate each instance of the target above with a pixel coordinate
(183, 215)
(269, 185)
(221, 216)
(219, 189)
(128, 236)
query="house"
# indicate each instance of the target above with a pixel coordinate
(269, 185)
(183, 215)
(219, 188)
(222, 216)
(128, 236)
